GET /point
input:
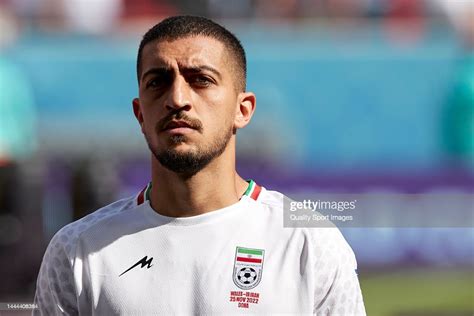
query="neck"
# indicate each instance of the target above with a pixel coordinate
(216, 186)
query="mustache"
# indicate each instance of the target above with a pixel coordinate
(179, 115)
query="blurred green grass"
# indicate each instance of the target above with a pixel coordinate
(418, 292)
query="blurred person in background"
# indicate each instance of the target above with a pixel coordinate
(17, 146)
(144, 10)
(92, 17)
(458, 116)
(405, 21)
(194, 240)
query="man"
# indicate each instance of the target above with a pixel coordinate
(198, 239)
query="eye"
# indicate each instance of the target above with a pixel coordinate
(201, 81)
(157, 82)
(153, 83)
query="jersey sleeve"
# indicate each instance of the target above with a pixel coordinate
(55, 290)
(337, 290)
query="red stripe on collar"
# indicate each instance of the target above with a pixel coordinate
(256, 192)
(141, 196)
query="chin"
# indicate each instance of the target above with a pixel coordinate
(180, 147)
(178, 139)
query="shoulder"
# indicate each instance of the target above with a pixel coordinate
(273, 198)
(326, 240)
(56, 273)
(66, 238)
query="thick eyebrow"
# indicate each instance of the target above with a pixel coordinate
(184, 69)
(157, 71)
(199, 69)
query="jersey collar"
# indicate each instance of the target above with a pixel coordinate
(144, 194)
(253, 191)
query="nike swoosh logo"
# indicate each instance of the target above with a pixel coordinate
(143, 262)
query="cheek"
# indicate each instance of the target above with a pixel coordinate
(222, 107)
(149, 125)
(217, 121)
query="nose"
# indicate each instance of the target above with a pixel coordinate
(179, 95)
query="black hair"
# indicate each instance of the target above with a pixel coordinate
(177, 27)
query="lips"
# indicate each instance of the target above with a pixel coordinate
(176, 124)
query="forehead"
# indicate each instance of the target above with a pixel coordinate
(190, 51)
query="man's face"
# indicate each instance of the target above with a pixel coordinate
(187, 101)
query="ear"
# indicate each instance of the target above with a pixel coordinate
(245, 109)
(138, 112)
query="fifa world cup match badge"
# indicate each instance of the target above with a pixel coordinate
(248, 267)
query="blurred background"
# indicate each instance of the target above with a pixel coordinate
(352, 96)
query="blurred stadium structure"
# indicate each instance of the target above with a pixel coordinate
(353, 96)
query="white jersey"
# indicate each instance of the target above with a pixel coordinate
(126, 259)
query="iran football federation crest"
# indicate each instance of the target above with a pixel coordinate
(248, 267)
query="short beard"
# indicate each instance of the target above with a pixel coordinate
(189, 163)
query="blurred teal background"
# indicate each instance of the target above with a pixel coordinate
(324, 100)
(352, 96)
